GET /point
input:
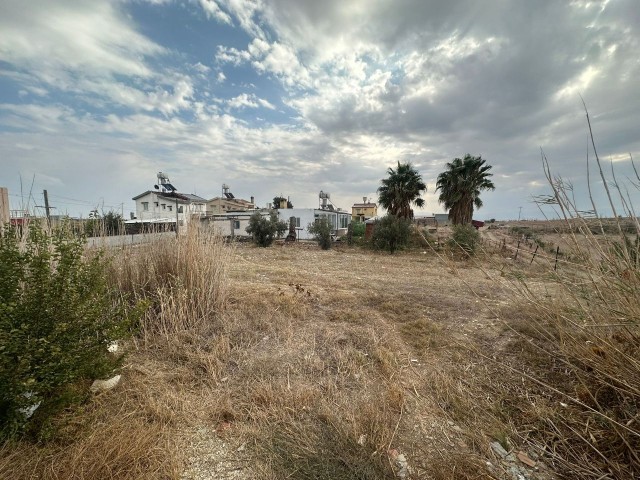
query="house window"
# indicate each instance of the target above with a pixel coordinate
(170, 208)
(180, 209)
(344, 221)
(145, 206)
(164, 207)
(236, 224)
(156, 204)
(298, 222)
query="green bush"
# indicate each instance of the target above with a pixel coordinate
(390, 233)
(57, 317)
(321, 231)
(355, 232)
(358, 229)
(466, 238)
(264, 231)
(111, 223)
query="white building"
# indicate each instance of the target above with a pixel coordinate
(339, 220)
(165, 206)
(236, 223)
(154, 206)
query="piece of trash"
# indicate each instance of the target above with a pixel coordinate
(401, 463)
(563, 405)
(104, 385)
(112, 347)
(241, 447)
(30, 410)
(524, 458)
(362, 439)
(499, 449)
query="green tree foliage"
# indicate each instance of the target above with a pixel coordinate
(400, 189)
(391, 233)
(465, 238)
(265, 231)
(277, 200)
(358, 229)
(57, 317)
(460, 186)
(321, 231)
(111, 223)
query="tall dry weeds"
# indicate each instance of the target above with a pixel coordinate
(183, 278)
(580, 340)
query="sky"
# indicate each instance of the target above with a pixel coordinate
(290, 97)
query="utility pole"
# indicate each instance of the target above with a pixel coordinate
(519, 212)
(47, 208)
(177, 221)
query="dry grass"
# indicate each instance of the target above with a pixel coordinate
(306, 364)
(183, 278)
(121, 434)
(577, 343)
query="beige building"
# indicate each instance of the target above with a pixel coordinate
(364, 211)
(220, 205)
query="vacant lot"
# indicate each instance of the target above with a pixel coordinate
(332, 364)
(347, 358)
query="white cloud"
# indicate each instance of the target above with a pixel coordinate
(199, 67)
(246, 12)
(92, 50)
(212, 10)
(76, 36)
(249, 101)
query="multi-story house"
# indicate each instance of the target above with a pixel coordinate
(364, 211)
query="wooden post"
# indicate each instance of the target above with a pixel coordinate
(534, 254)
(555, 267)
(517, 249)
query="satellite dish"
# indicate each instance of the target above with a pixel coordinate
(156, 187)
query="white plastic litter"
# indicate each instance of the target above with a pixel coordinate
(104, 385)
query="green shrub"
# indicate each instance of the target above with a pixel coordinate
(321, 231)
(390, 233)
(358, 229)
(264, 231)
(466, 238)
(355, 232)
(111, 223)
(57, 317)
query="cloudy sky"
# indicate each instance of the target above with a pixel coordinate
(296, 96)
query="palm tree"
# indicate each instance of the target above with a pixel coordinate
(460, 186)
(400, 189)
